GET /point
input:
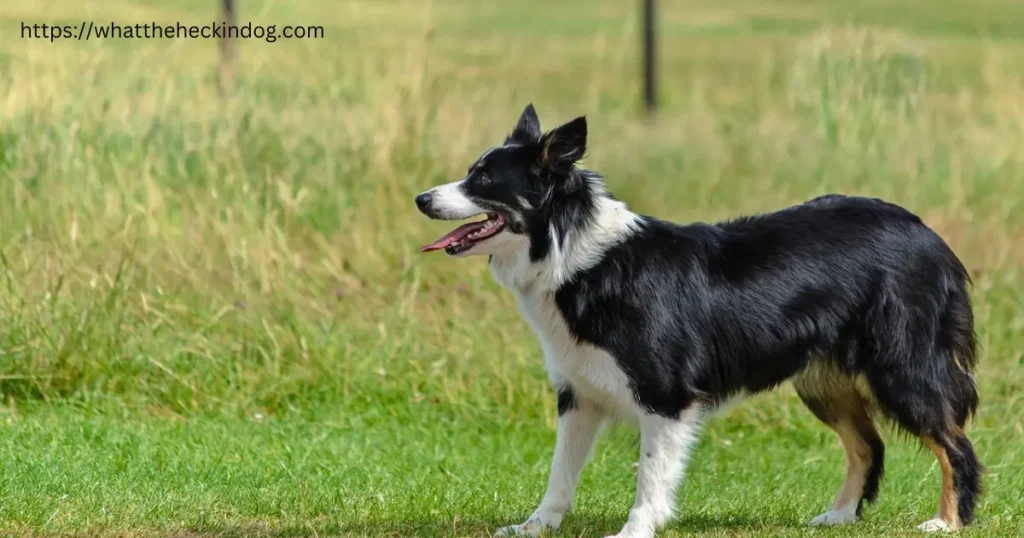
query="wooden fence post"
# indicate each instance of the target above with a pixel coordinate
(228, 52)
(650, 60)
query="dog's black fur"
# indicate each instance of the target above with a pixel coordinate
(855, 286)
(708, 311)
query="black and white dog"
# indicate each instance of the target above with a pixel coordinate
(855, 300)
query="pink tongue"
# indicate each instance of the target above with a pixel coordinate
(453, 236)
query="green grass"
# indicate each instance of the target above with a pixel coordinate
(214, 319)
(430, 469)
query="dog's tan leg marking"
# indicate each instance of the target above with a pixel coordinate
(858, 458)
(835, 399)
(948, 499)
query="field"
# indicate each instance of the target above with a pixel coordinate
(214, 319)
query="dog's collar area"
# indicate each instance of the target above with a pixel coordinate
(467, 235)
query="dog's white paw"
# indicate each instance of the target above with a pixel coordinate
(531, 527)
(935, 525)
(513, 531)
(518, 531)
(834, 517)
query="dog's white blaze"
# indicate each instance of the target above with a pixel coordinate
(451, 202)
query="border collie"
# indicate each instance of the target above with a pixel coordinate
(855, 300)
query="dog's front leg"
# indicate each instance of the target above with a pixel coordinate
(664, 449)
(578, 424)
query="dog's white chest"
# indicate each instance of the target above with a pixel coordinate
(592, 373)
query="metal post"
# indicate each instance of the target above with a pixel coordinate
(650, 79)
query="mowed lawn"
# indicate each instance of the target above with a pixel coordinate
(214, 319)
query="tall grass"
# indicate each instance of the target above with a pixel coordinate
(173, 249)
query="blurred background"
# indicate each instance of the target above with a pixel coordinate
(214, 318)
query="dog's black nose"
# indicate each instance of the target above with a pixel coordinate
(423, 201)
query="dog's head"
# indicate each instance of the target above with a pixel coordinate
(520, 186)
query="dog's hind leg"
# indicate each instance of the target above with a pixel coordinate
(578, 425)
(961, 482)
(834, 399)
(934, 413)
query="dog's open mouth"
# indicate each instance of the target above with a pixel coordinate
(464, 237)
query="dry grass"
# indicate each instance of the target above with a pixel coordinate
(179, 253)
(292, 197)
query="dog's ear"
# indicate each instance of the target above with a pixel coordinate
(527, 129)
(563, 146)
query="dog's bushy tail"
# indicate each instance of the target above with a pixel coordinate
(958, 324)
(962, 396)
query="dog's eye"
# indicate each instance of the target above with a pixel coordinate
(483, 179)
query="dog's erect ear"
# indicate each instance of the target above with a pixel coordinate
(561, 147)
(527, 128)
